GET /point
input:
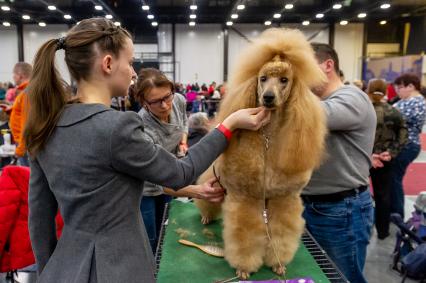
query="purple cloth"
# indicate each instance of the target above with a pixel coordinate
(296, 280)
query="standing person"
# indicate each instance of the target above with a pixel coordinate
(413, 108)
(391, 136)
(91, 161)
(18, 117)
(338, 205)
(164, 116)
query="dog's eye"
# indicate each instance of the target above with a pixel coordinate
(284, 80)
(263, 78)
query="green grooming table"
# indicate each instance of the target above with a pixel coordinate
(181, 264)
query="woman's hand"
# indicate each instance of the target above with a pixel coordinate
(207, 191)
(248, 119)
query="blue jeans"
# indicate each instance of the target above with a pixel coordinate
(152, 209)
(343, 230)
(399, 167)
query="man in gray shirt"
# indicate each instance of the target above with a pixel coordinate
(338, 205)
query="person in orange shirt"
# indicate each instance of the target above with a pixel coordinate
(18, 117)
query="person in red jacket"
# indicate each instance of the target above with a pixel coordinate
(15, 245)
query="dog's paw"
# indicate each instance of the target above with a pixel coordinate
(205, 220)
(279, 269)
(242, 274)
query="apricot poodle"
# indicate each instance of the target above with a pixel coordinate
(264, 172)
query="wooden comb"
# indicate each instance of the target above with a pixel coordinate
(208, 249)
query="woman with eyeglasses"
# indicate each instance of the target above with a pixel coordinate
(164, 116)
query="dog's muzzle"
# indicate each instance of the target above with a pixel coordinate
(268, 99)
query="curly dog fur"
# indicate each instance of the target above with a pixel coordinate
(277, 70)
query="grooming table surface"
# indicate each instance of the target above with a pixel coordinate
(179, 263)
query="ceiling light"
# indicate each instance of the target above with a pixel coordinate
(98, 7)
(192, 24)
(67, 17)
(229, 23)
(145, 7)
(42, 24)
(319, 16)
(109, 17)
(362, 15)
(268, 23)
(117, 24)
(193, 7)
(5, 8)
(154, 24)
(241, 7)
(385, 6)
(343, 23)
(277, 16)
(192, 16)
(150, 16)
(405, 15)
(6, 24)
(337, 6)
(51, 7)
(234, 16)
(305, 23)
(383, 22)
(26, 17)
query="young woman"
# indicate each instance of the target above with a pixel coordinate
(90, 161)
(412, 106)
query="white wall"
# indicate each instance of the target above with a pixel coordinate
(35, 36)
(8, 52)
(199, 53)
(348, 45)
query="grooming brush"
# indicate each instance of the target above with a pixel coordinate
(208, 249)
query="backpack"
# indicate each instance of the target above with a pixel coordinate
(414, 263)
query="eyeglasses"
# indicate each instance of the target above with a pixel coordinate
(158, 102)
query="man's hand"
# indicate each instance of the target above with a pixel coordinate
(376, 161)
(385, 156)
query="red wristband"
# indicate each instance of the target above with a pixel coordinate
(225, 131)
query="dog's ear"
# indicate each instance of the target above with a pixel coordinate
(303, 131)
(239, 96)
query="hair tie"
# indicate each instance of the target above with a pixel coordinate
(60, 43)
(111, 31)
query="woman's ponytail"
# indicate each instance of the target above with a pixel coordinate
(47, 98)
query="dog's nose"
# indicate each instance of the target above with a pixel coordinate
(268, 97)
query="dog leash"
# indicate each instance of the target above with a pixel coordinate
(218, 179)
(265, 214)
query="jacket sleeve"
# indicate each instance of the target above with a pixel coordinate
(401, 134)
(15, 118)
(42, 211)
(133, 153)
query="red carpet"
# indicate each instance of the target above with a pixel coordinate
(415, 180)
(423, 141)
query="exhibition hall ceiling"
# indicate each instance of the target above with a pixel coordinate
(151, 13)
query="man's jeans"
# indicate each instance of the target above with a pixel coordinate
(399, 167)
(343, 230)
